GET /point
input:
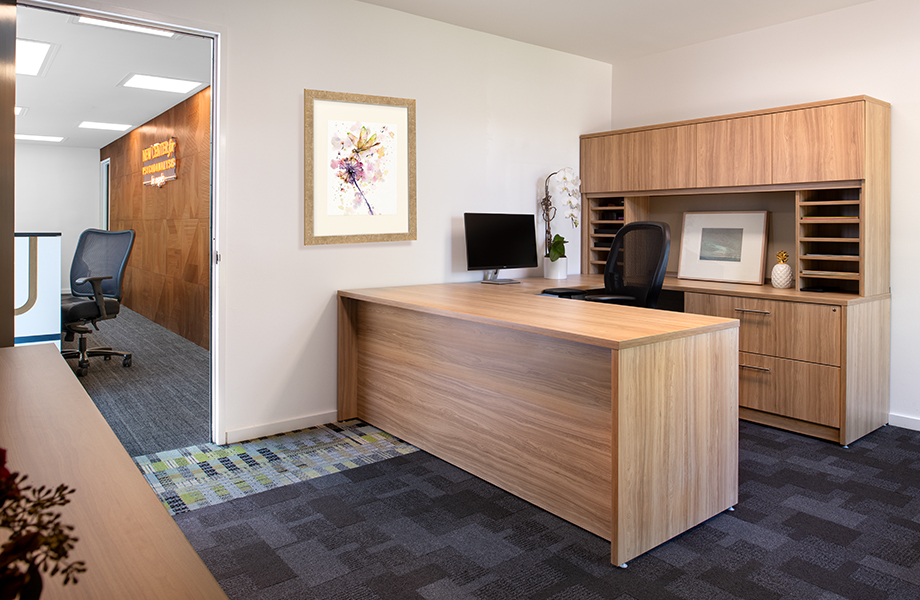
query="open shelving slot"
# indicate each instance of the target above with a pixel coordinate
(829, 239)
(605, 216)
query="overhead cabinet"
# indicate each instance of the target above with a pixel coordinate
(825, 143)
(780, 146)
(733, 152)
(643, 160)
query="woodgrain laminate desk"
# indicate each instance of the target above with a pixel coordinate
(621, 420)
(53, 433)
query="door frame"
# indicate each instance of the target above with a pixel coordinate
(217, 427)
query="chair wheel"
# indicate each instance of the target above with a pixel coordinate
(81, 371)
(126, 362)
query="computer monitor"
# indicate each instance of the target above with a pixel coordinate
(499, 241)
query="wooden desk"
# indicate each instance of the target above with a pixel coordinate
(53, 433)
(621, 420)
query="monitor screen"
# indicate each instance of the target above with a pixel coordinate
(500, 241)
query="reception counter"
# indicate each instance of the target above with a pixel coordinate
(37, 304)
(621, 420)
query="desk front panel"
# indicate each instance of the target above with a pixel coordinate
(528, 413)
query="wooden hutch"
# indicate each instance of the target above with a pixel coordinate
(816, 363)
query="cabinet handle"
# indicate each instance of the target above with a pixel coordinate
(759, 312)
(764, 369)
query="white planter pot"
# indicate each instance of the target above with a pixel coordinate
(555, 270)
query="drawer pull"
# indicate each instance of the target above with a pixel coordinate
(759, 312)
(764, 369)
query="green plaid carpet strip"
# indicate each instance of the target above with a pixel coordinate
(209, 474)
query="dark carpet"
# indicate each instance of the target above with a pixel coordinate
(162, 401)
(814, 520)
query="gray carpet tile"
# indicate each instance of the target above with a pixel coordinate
(814, 521)
(162, 401)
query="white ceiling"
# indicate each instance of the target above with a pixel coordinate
(87, 64)
(613, 30)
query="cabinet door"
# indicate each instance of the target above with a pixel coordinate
(793, 330)
(735, 152)
(826, 143)
(790, 388)
(597, 164)
(655, 159)
(667, 158)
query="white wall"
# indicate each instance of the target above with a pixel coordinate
(494, 117)
(57, 190)
(871, 49)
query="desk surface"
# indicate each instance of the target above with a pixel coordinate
(519, 307)
(53, 433)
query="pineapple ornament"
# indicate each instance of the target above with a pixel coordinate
(781, 276)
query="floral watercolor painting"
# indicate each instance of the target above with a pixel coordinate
(359, 168)
(362, 160)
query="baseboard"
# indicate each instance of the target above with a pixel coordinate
(251, 433)
(904, 421)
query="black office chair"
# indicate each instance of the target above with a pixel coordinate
(96, 277)
(634, 272)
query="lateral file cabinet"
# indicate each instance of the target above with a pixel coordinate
(815, 368)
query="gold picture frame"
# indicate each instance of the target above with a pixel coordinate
(359, 168)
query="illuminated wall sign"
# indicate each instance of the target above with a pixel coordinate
(160, 163)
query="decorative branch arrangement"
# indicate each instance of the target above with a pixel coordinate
(38, 542)
(563, 182)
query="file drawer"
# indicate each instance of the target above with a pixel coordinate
(793, 330)
(799, 390)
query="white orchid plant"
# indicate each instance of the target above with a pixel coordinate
(563, 183)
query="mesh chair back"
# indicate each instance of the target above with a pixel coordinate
(637, 261)
(101, 253)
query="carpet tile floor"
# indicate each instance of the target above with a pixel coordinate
(814, 521)
(204, 475)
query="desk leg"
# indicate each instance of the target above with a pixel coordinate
(347, 388)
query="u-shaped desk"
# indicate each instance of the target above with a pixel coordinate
(621, 420)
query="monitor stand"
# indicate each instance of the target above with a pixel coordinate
(491, 276)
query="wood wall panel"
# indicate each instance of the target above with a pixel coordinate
(168, 276)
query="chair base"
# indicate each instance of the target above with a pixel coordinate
(83, 354)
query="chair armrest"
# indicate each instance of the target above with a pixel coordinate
(611, 299)
(570, 292)
(96, 282)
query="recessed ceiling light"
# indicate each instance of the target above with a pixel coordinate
(30, 56)
(124, 26)
(106, 126)
(161, 84)
(38, 138)
(20, 110)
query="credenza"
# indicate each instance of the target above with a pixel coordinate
(814, 362)
(54, 433)
(621, 420)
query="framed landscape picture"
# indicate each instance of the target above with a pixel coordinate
(723, 246)
(359, 168)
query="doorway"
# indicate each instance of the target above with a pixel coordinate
(57, 191)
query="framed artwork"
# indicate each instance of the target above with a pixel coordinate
(359, 168)
(723, 246)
